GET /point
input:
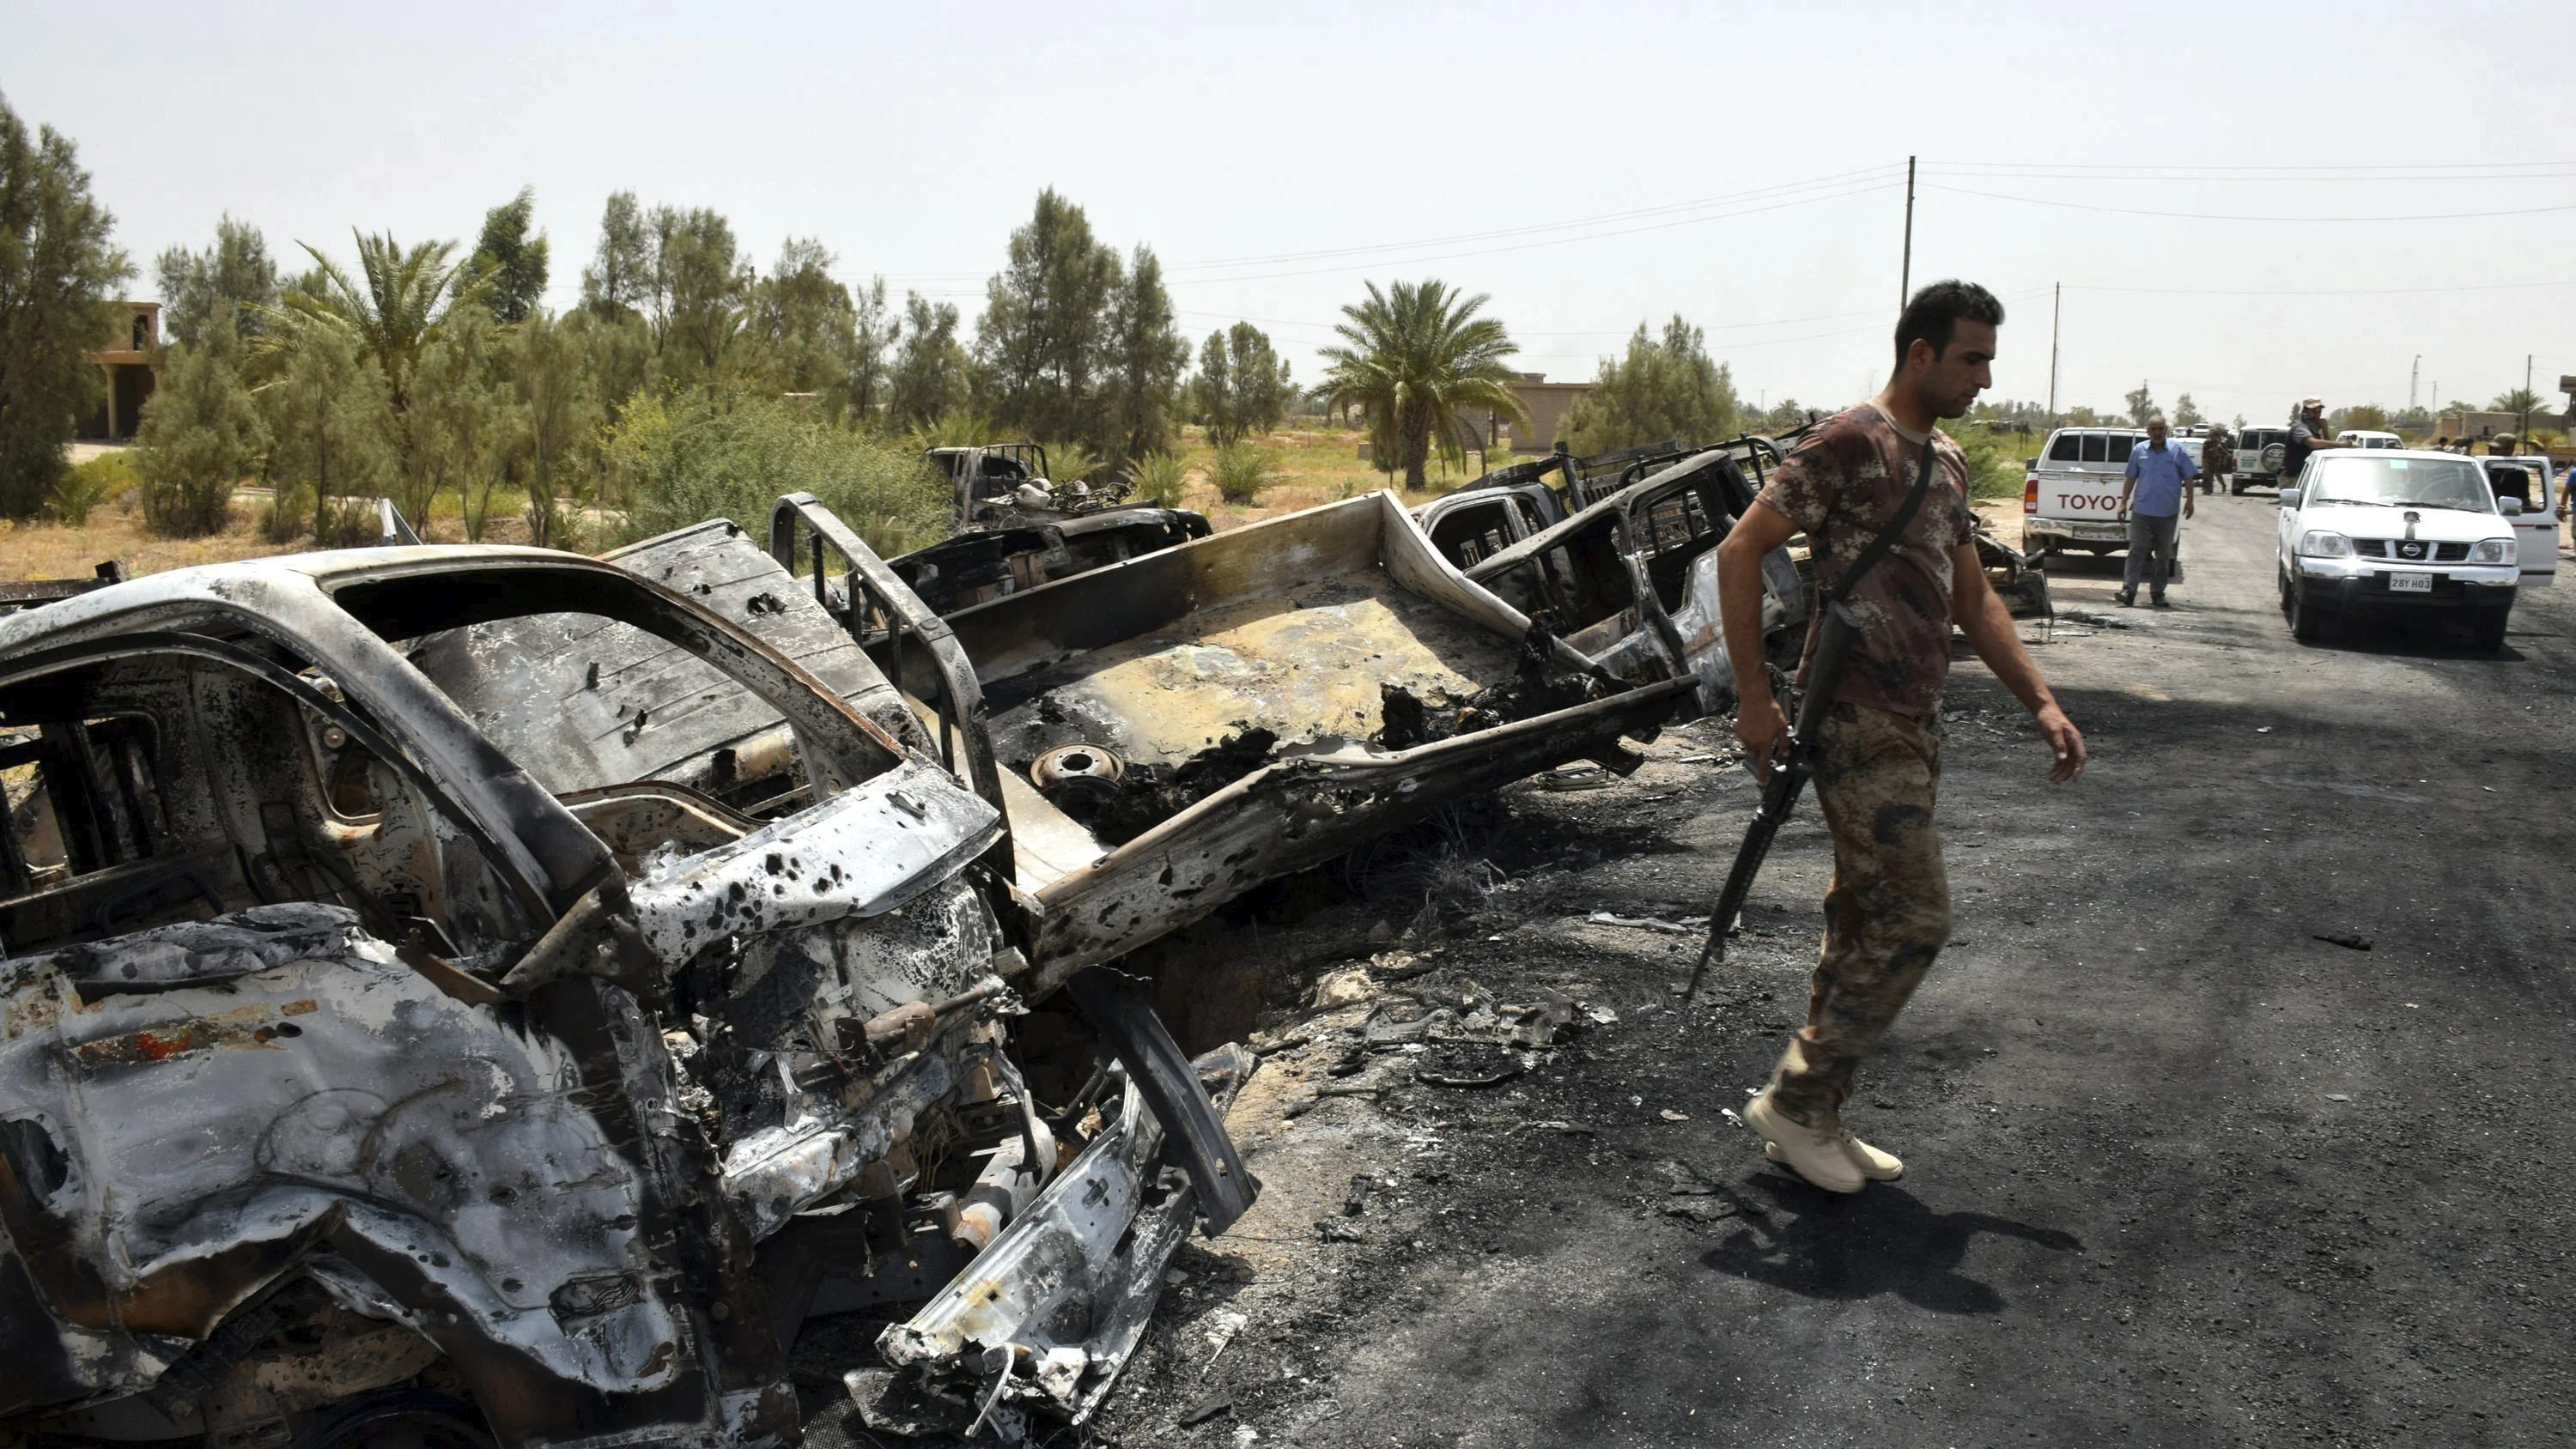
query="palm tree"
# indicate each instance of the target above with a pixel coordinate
(1419, 363)
(406, 295)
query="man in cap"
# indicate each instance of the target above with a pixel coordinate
(2306, 436)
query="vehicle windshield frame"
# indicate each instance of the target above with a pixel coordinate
(2399, 490)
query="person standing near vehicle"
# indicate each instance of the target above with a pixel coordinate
(2306, 436)
(2158, 489)
(2217, 459)
(1877, 760)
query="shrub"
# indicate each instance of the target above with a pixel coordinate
(690, 460)
(202, 433)
(1993, 470)
(78, 490)
(951, 430)
(1070, 462)
(1158, 478)
(1243, 472)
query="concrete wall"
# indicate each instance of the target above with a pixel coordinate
(1547, 404)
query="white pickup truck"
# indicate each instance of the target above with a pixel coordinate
(2070, 494)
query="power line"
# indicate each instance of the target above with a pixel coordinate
(1881, 173)
(1531, 246)
(2335, 291)
(2219, 216)
(2430, 169)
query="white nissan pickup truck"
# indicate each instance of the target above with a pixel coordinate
(2070, 494)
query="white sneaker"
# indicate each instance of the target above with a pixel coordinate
(1817, 1156)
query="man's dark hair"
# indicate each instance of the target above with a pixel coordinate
(1936, 311)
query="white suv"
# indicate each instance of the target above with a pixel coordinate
(2396, 531)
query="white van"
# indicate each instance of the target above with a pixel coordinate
(2365, 438)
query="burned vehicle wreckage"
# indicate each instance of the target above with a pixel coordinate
(1017, 527)
(481, 995)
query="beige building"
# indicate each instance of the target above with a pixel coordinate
(1547, 404)
(2457, 425)
(131, 361)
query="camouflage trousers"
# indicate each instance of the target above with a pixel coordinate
(1888, 910)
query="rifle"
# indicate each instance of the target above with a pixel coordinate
(1835, 635)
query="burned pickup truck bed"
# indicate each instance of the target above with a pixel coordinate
(1273, 653)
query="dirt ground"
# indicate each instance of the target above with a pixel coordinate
(2180, 1171)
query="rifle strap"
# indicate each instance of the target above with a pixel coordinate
(1895, 529)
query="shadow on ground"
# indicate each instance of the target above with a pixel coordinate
(1883, 1240)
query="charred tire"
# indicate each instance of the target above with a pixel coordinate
(397, 1419)
(2307, 620)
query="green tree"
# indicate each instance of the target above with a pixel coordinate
(558, 416)
(1043, 341)
(1418, 362)
(1212, 392)
(619, 349)
(1242, 384)
(1147, 356)
(931, 376)
(515, 261)
(619, 276)
(2522, 402)
(2187, 413)
(1662, 388)
(2142, 404)
(58, 275)
(331, 423)
(696, 293)
(872, 352)
(689, 458)
(387, 313)
(2367, 417)
(460, 423)
(235, 276)
(1263, 388)
(201, 434)
(804, 325)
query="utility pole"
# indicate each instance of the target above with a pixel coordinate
(2056, 302)
(2527, 396)
(2412, 374)
(1905, 278)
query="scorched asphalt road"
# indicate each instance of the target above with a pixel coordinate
(2180, 1171)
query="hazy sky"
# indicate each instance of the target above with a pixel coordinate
(1589, 166)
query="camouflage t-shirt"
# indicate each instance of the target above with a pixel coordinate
(1842, 484)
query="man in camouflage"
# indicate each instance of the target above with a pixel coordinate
(1878, 764)
(2217, 460)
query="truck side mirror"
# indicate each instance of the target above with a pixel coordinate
(2508, 505)
(2289, 498)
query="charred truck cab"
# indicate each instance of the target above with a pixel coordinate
(1017, 527)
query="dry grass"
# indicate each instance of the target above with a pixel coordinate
(115, 530)
(1316, 466)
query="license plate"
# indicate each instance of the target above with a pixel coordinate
(2410, 583)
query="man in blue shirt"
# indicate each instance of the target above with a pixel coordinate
(2150, 500)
